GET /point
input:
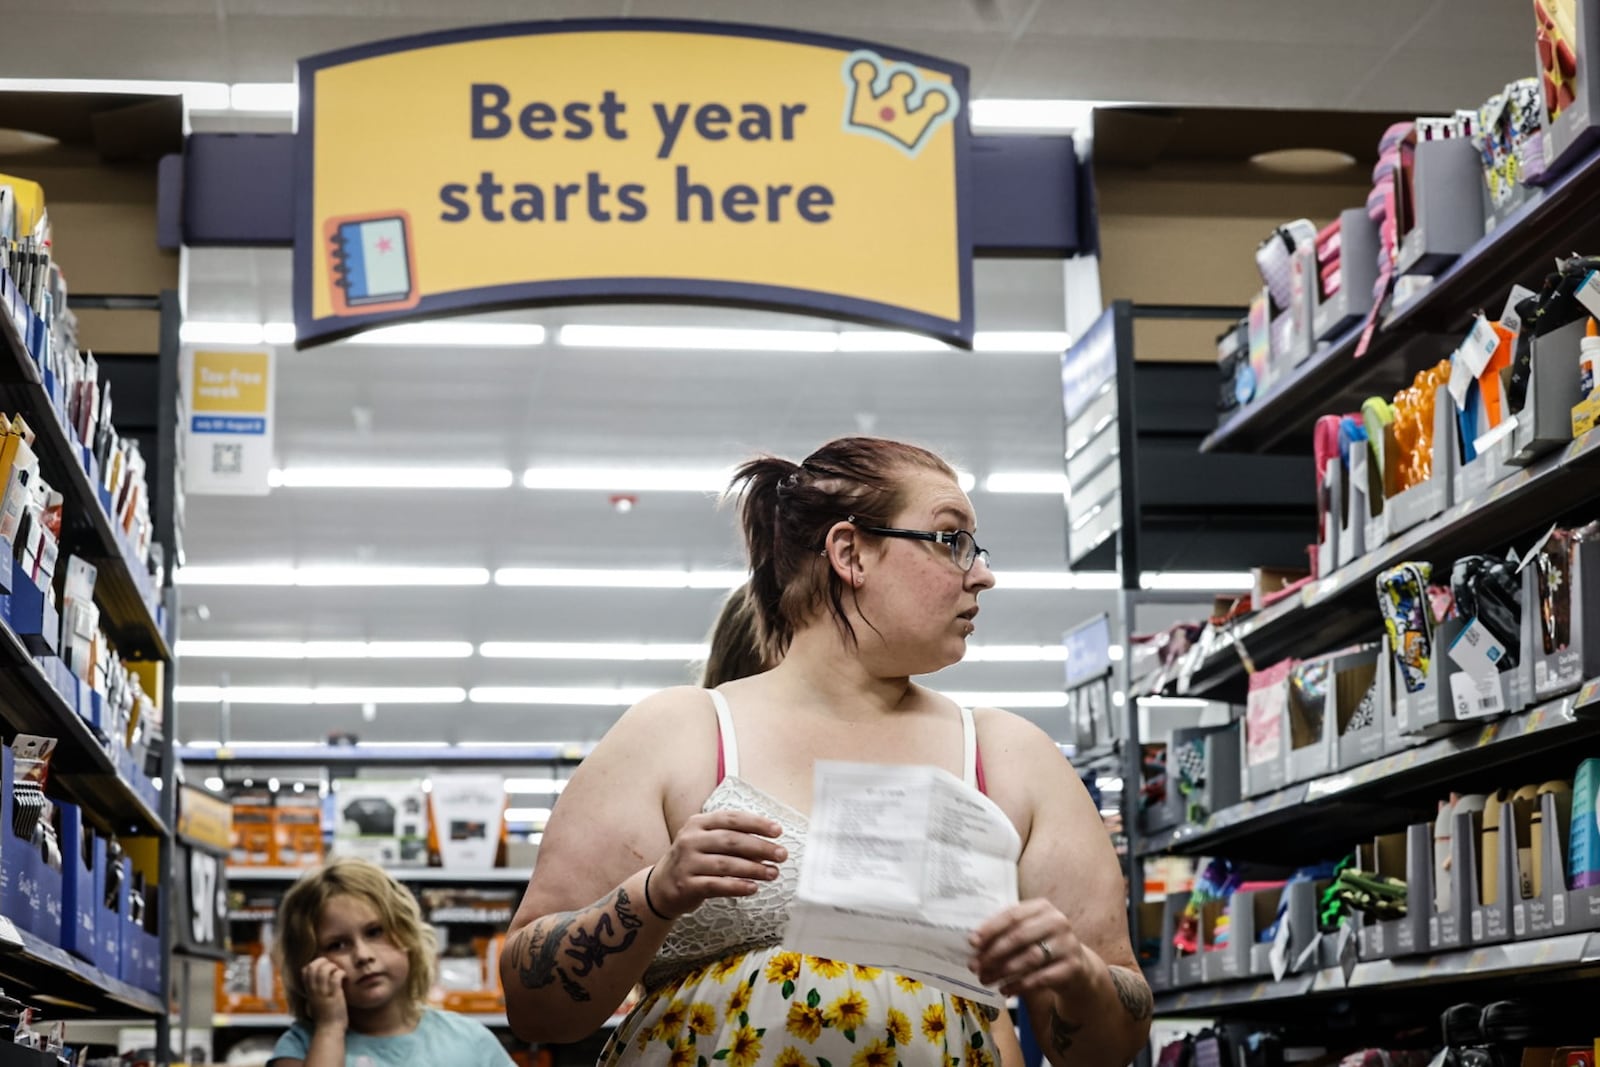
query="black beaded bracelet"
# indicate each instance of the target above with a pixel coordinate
(648, 902)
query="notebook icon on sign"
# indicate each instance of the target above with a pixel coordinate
(372, 263)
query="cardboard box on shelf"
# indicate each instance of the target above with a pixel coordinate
(381, 819)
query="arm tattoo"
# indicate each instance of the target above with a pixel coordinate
(1134, 994)
(539, 962)
(1061, 1032)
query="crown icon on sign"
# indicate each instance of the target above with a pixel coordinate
(895, 102)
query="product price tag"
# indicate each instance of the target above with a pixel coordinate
(1348, 956)
(1280, 950)
(1461, 380)
(1358, 473)
(1476, 651)
(1509, 317)
(1478, 348)
(1527, 557)
(1589, 293)
(1495, 436)
(1476, 698)
(1309, 954)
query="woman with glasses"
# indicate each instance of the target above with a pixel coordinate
(674, 854)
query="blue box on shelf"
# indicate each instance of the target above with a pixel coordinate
(19, 859)
(108, 931)
(83, 854)
(119, 915)
(33, 617)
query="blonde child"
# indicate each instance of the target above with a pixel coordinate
(357, 962)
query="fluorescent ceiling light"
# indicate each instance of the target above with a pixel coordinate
(391, 478)
(277, 333)
(1061, 116)
(222, 333)
(454, 334)
(617, 579)
(1067, 580)
(1021, 341)
(213, 694)
(1173, 702)
(283, 97)
(707, 338)
(536, 786)
(527, 815)
(200, 96)
(966, 480)
(888, 341)
(353, 575)
(1196, 581)
(628, 479)
(324, 649)
(596, 697)
(1046, 699)
(1016, 654)
(632, 653)
(1051, 482)
(215, 784)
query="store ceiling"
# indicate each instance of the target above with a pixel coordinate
(509, 408)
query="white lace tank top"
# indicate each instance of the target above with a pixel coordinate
(725, 926)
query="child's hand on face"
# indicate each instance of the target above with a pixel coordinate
(324, 985)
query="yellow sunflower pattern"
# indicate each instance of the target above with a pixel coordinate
(771, 1008)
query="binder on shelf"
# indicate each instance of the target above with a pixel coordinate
(1497, 885)
(1410, 508)
(1545, 422)
(1153, 916)
(1553, 908)
(1265, 730)
(1438, 708)
(1358, 275)
(1449, 201)
(83, 855)
(1309, 720)
(1357, 707)
(1407, 856)
(1248, 914)
(1332, 506)
(1570, 131)
(1561, 621)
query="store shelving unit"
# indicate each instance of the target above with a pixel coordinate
(1426, 329)
(135, 614)
(1326, 816)
(1557, 959)
(1329, 812)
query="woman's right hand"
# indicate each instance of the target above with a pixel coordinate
(716, 854)
(323, 981)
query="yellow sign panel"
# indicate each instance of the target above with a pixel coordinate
(205, 820)
(577, 161)
(234, 382)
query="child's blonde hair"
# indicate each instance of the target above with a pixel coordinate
(347, 876)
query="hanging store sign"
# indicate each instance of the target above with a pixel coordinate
(228, 414)
(631, 159)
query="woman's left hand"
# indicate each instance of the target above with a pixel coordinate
(1029, 947)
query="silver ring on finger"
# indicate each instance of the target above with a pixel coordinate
(1044, 947)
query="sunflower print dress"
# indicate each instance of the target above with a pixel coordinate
(723, 992)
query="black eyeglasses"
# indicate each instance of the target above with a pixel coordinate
(964, 550)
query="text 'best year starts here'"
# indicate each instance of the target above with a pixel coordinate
(631, 159)
(497, 199)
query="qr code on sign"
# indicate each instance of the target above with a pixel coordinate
(227, 458)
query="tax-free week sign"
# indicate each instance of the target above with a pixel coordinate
(572, 161)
